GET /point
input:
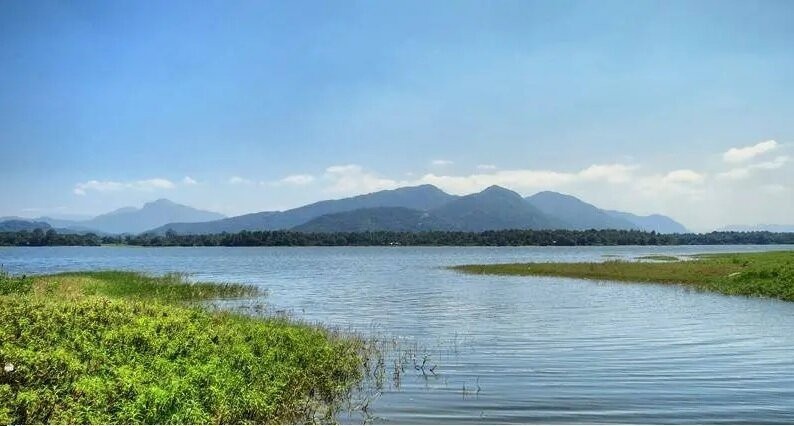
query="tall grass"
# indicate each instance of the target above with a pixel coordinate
(171, 287)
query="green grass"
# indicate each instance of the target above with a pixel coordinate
(120, 347)
(10, 284)
(658, 257)
(768, 274)
(166, 288)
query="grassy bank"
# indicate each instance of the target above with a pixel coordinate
(119, 347)
(769, 274)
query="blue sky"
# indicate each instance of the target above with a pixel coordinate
(247, 106)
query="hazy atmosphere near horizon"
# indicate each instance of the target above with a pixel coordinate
(676, 107)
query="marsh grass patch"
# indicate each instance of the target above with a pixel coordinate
(120, 347)
(764, 274)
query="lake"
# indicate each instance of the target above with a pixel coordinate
(510, 349)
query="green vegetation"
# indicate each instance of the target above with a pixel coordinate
(165, 288)
(38, 237)
(658, 257)
(10, 284)
(768, 274)
(515, 237)
(120, 347)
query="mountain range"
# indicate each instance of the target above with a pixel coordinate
(17, 225)
(426, 207)
(417, 208)
(422, 198)
(130, 220)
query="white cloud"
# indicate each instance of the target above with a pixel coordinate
(347, 168)
(683, 176)
(527, 179)
(486, 167)
(112, 186)
(777, 163)
(150, 184)
(745, 172)
(740, 155)
(735, 174)
(513, 179)
(296, 180)
(441, 162)
(98, 186)
(353, 179)
(674, 183)
(237, 180)
(612, 173)
(187, 180)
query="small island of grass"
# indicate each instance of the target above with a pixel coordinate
(121, 347)
(767, 274)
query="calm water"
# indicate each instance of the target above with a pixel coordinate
(512, 349)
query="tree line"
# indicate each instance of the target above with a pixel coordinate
(593, 237)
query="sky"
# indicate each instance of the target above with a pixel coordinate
(676, 107)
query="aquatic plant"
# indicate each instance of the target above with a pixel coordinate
(119, 347)
(766, 274)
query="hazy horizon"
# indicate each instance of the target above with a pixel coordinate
(677, 108)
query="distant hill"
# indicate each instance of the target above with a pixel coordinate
(54, 222)
(761, 227)
(151, 215)
(494, 208)
(416, 208)
(655, 222)
(577, 213)
(399, 219)
(426, 207)
(17, 225)
(63, 226)
(423, 197)
(131, 220)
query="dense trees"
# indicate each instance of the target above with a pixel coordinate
(39, 237)
(384, 238)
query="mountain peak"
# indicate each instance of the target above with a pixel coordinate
(545, 197)
(160, 202)
(153, 214)
(552, 194)
(499, 190)
(494, 208)
(422, 187)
